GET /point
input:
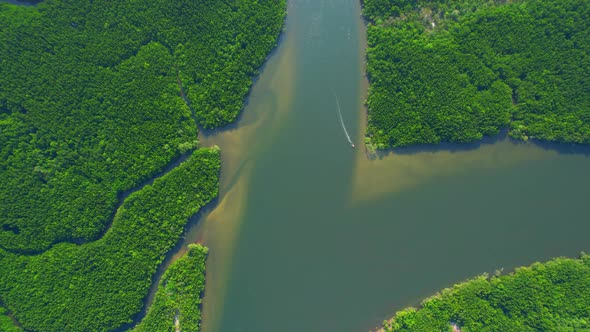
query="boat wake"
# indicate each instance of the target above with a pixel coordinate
(342, 120)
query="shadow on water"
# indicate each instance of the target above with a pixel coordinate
(561, 148)
(207, 133)
(564, 148)
(198, 219)
(22, 2)
(170, 258)
(445, 146)
(239, 120)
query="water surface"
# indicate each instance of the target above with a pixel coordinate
(22, 2)
(311, 235)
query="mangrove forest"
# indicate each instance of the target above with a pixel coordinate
(551, 296)
(98, 99)
(456, 71)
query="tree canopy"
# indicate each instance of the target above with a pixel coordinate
(91, 105)
(101, 285)
(456, 71)
(178, 299)
(6, 324)
(98, 98)
(551, 296)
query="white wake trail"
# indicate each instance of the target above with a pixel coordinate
(342, 120)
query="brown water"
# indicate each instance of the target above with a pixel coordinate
(311, 235)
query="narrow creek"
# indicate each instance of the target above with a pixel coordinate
(309, 234)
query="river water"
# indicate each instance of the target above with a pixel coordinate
(22, 2)
(310, 234)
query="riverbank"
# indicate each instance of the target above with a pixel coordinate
(113, 118)
(547, 296)
(498, 65)
(115, 270)
(177, 304)
(292, 176)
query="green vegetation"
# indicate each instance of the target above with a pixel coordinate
(553, 296)
(6, 324)
(458, 70)
(179, 295)
(101, 285)
(96, 98)
(91, 105)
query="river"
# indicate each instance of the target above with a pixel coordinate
(22, 2)
(310, 234)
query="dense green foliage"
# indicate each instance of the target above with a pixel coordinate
(91, 106)
(458, 70)
(179, 295)
(553, 296)
(96, 97)
(100, 285)
(6, 324)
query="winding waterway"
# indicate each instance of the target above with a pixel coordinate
(311, 235)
